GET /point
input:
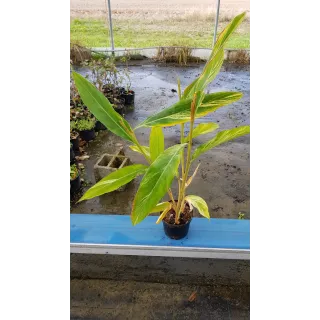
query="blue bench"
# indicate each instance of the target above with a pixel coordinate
(114, 234)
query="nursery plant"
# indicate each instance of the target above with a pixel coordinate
(85, 124)
(166, 165)
(73, 172)
(75, 182)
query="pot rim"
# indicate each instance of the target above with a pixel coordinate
(176, 225)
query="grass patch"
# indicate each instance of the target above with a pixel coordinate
(139, 34)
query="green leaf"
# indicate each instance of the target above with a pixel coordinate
(101, 108)
(160, 207)
(202, 128)
(180, 111)
(114, 180)
(221, 137)
(215, 60)
(226, 33)
(216, 100)
(200, 204)
(156, 142)
(156, 182)
(208, 74)
(145, 149)
(177, 113)
(164, 212)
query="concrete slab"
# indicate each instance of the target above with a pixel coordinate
(108, 299)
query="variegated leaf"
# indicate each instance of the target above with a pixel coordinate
(221, 137)
(180, 111)
(202, 128)
(156, 142)
(156, 182)
(101, 108)
(200, 204)
(114, 181)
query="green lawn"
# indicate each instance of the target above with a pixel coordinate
(139, 34)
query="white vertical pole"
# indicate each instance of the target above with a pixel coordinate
(216, 24)
(110, 26)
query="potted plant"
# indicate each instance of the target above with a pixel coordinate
(166, 165)
(99, 126)
(127, 93)
(74, 136)
(72, 156)
(128, 96)
(74, 139)
(75, 182)
(86, 129)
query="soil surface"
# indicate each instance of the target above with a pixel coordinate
(184, 217)
(223, 178)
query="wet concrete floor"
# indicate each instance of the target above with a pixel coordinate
(121, 300)
(223, 179)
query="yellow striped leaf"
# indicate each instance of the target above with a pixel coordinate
(180, 111)
(156, 142)
(145, 149)
(227, 32)
(114, 181)
(215, 60)
(208, 74)
(102, 109)
(163, 214)
(200, 204)
(160, 207)
(221, 137)
(202, 128)
(156, 182)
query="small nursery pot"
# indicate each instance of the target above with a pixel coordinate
(72, 156)
(177, 231)
(75, 184)
(120, 90)
(88, 135)
(119, 109)
(99, 126)
(75, 143)
(128, 97)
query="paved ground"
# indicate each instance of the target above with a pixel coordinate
(121, 300)
(223, 179)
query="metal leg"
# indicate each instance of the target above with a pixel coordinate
(216, 24)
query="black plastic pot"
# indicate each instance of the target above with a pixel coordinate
(99, 126)
(128, 97)
(75, 143)
(72, 156)
(176, 231)
(75, 185)
(119, 108)
(88, 135)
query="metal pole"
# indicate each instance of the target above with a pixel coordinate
(110, 26)
(216, 24)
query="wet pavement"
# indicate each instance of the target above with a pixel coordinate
(223, 178)
(106, 299)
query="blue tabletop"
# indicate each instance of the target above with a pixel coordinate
(117, 229)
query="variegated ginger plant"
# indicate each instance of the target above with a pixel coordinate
(164, 165)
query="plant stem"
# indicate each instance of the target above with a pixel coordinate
(182, 153)
(188, 163)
